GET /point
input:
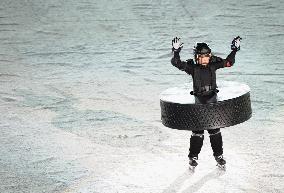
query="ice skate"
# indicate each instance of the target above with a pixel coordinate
(192, 163)
(221, 162)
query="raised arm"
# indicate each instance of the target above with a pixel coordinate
(230, 60)
(181, 65)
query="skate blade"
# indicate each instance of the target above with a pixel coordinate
(222, 167)
(192, 168)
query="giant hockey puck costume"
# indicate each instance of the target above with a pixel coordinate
(185, 116)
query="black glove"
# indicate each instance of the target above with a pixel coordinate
(177, 45)
(236, 43)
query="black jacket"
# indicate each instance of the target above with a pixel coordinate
(203, 75)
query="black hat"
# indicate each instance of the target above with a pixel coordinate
(201, 48)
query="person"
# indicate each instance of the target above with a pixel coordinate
(203, 71)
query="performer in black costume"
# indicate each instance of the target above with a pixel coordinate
(203, 71)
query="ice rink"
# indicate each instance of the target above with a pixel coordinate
(79, 96)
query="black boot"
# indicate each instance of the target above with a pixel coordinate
(196, 142)
(221, 163)
(220, 160)
(216, 143)
(192, 161)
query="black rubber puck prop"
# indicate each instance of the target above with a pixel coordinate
(179, 111)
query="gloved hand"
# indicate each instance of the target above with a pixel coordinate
(177, 45)
(236, 43)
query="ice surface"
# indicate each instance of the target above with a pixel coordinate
(79, 93)
(227, 90)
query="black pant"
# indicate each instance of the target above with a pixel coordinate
(211, 98)
(196, 140)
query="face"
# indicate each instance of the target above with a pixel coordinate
(203, 59)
